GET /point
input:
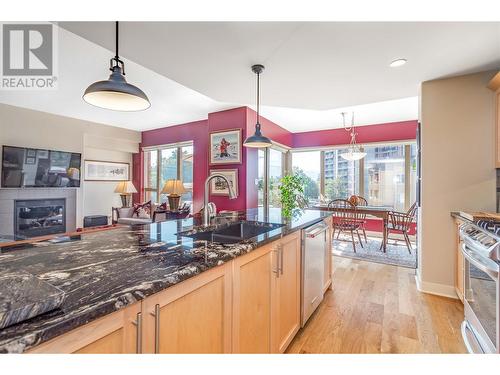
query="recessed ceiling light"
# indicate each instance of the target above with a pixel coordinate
(398, 62)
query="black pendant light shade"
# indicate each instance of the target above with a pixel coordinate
(115, 93)
(257, 140)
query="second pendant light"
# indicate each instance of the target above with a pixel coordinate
(257, 140)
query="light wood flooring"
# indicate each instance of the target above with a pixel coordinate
(376, 308)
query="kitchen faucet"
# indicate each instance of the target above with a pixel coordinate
(232, 195)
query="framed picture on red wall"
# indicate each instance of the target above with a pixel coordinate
(225, 147)
(219, 187)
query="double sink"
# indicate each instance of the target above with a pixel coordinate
(232, 233)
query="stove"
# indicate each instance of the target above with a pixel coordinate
(480, 244)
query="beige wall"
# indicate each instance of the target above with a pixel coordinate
(28, 128)
(458, 172)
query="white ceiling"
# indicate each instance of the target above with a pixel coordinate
(313, 70)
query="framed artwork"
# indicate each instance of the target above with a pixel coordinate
(219, 187)
(225, 147)
(42, 154)
(106, 171)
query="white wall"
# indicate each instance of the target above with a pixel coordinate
(458, 171)
(27, 128)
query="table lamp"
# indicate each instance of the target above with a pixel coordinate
(173, 189)
(125, 189)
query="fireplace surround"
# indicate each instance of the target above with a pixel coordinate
(39, 217)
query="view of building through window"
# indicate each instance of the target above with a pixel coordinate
(383, 173)
(341, 176)
(384, 176)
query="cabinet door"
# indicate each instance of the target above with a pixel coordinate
(191, 317)
(113, 334)
(252, 291)
(286, 321)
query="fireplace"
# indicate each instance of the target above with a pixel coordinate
(39, 217)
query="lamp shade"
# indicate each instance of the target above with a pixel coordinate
(125, 187)
(116, 94)
(175, 187)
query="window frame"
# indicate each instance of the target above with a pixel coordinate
(158, 149)
(286, 163)
(361, 164)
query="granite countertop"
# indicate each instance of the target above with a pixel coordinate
(104, 271)
(458, 215)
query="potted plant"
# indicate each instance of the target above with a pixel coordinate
(292, 195)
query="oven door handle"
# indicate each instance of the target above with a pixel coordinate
(467, 334)
(479, 263)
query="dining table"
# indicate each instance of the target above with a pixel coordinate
(377, 211)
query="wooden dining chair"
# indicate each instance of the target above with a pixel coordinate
(358, 200)
(345, 219)
(400, 222)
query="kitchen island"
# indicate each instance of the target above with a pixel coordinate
(145, 289)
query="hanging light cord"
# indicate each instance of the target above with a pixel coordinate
(116, 41)
(258, 98)
(115, 61)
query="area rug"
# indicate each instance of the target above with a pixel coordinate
(397, 252)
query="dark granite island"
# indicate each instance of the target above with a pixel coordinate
(104, 272)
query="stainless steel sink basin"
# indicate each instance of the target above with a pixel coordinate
(232, 233)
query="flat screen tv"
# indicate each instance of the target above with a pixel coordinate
(31, 167)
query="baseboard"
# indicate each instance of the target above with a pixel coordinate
(436, 289)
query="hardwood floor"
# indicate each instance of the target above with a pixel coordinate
(376, 308)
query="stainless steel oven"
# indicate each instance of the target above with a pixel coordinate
(480, 329)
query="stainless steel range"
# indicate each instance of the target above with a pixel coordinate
(480, 248)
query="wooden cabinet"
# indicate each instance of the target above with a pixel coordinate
(266, 297)
(113, 334)
(248, 305)
(286, 298)
(253, 287)
(459, 260)
(191, 317)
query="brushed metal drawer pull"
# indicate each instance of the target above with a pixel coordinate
(156, 314)
(138, 332)
(277, 270)
(281, 258)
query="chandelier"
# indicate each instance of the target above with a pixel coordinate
(354, 152)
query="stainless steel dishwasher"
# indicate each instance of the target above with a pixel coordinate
(314, 242)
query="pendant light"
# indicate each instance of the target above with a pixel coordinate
(257, 140)
(354, 151)
(115, 93)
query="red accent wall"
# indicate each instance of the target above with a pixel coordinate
(392, 131)
(244, 118)
(197, 132)
(227, 120)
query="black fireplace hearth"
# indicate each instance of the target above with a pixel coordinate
(39, 217)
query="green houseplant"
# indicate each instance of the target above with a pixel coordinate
(292, 195)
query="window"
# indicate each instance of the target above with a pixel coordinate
(276, 169)
(385, 176)
(260, 176)
(166, 163)
(271, 168)
(341, 176)
(308, 165)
